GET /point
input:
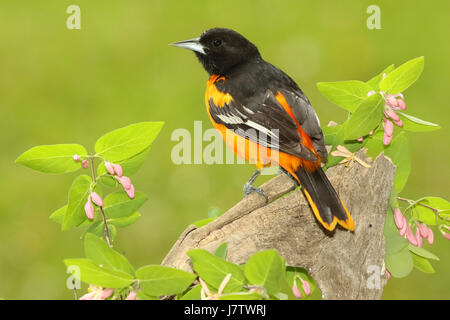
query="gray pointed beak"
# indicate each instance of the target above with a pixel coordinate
(192, 44)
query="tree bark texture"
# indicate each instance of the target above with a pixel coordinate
(344, 264)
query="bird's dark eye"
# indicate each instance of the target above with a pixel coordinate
(217, 43)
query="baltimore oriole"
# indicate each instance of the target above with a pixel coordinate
(247, 99)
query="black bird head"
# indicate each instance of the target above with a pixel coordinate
(219, 50)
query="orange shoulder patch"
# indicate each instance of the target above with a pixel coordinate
(219, 98)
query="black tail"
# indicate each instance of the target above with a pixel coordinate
(325, 203)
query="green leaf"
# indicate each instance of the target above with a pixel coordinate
(130, 166)
(399, 152)
(56, 158)
(221, 250)
(202, 222)
(422, 264)
(78, 194)
(124, 221)
(375, 144)
(58, 215)
(365, 118)
(100, 253)
(401, 78)
(399, 263)
(242, 296)
(127, 142)
(213, 270)
(156, 280)
(142, 296)
(265, 268)
(394, 241)
(193, 293)
(118, 204)
(345, 94)
(437, 203)
(427, 215)
(375, 81)
(294, 272)
(414, 124)
(330, 133)
(422, 252)
(100, 276)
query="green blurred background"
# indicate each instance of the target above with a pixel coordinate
(71, 86)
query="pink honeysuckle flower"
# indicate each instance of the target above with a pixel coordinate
(109, 167)
(423, 229)
(306, 287)
(295, 290)
(430, 234)
(89, 209)
(97, 293)
(131, 296)
(76, 158)
(106, 293)
(96, 199)
(404, 227)
(399, 219)
(130, 192)
(393, 103)
(388, 131)
(410, 236)
(419, 238)
(124, 181)
(446, 235)
(85, 164)
(118, 169)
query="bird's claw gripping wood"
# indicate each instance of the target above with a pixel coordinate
(250, 188)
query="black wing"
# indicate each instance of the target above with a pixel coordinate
(264, 122)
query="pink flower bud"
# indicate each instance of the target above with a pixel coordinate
(423, 229)
(89, 209)
(296, 290)
(398, 123)
(306, 287)
(388, 127)
(130, 192)
(124, 181)
(386, 139)
(419, 238)
(399, 218)
(360, 139)
(391, 114)
(85, 164)
(131, 296)
(404, 227)
(388, 274)
(430, 236)
(370, 93)
(371, 132)
(401, 104)
(118, 169)
(391, 101)
(446, 235)
(106, 293)
(96, 199)
(410, 237)
(76, 158)
(109, 167)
